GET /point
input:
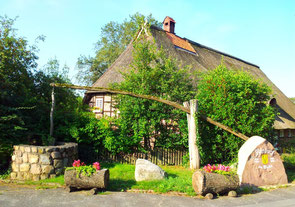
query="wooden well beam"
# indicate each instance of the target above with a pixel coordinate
(170, 103)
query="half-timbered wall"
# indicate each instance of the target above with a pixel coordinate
(286, 138)
(286, 133)
(102, 104)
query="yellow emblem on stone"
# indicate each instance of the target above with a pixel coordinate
(264, 158)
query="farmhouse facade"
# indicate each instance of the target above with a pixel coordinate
(201, 58)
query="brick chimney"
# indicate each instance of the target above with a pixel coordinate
(169, 24)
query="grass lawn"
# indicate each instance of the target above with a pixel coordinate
(179, 179)
(122, 178)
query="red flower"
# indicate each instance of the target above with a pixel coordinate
(96, 165)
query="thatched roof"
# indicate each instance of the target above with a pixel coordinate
(204, 59)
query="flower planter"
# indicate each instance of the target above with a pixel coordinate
(204, 183)
(98, 179)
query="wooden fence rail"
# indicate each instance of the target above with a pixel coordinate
(159, 156)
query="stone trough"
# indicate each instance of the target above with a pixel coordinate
(31, 162)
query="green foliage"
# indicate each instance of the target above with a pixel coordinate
(25, 97)
(4, 174)
(185, 160)
(234, 99)
(153, 73)
(87, 170)
(288, 146)
(17, 59)
(91, 134)
(289, 161)
(293, 100)
(113, 40)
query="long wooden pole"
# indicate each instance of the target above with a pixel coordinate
(170, 103)
(51, 112)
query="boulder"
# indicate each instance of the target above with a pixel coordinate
(260, 164)
(146, 170)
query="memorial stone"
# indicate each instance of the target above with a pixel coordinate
(260, 164)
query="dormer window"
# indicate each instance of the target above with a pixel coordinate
(181, 44)
(272, 102)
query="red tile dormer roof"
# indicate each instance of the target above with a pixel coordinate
(181, 43)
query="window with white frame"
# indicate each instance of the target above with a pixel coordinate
(99, 104)
(289, 133)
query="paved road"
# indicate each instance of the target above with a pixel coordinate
(16, 196)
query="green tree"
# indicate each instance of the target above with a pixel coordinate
(234, 99)
(293, 100)
(113, 40)
(152, 73)
(17, 62)
(66, 103)
(25, 94)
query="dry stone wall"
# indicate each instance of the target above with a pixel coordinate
(41, 162)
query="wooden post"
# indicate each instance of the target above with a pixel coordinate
(51, 112)
(192, 134)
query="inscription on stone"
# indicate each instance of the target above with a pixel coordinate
(260, 164)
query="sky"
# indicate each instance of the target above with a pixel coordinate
(261, 32)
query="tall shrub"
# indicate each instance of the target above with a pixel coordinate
(153, 73)
(235, 99)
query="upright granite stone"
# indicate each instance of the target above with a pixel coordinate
(260, 164)
(146, 170)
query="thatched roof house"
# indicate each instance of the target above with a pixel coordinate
(201, 58)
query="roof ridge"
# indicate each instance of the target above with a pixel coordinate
(223, 53)
(209, 48)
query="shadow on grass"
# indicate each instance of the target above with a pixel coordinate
(248, 189)
(171, 175)
(120, 185)
(291, 175)
(108, 165)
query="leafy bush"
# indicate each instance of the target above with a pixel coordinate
(287, 146)
(234, 99)
(289, 161)
(153, 73)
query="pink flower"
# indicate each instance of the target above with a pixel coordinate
(96, 165)
(76, 163)
(213, 168)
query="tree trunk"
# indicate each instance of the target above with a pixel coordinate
(204, 183)
(194, 156)
(99, 179)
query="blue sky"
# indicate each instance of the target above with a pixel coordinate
(261, 32)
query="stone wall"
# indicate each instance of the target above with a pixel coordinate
(40, 162)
